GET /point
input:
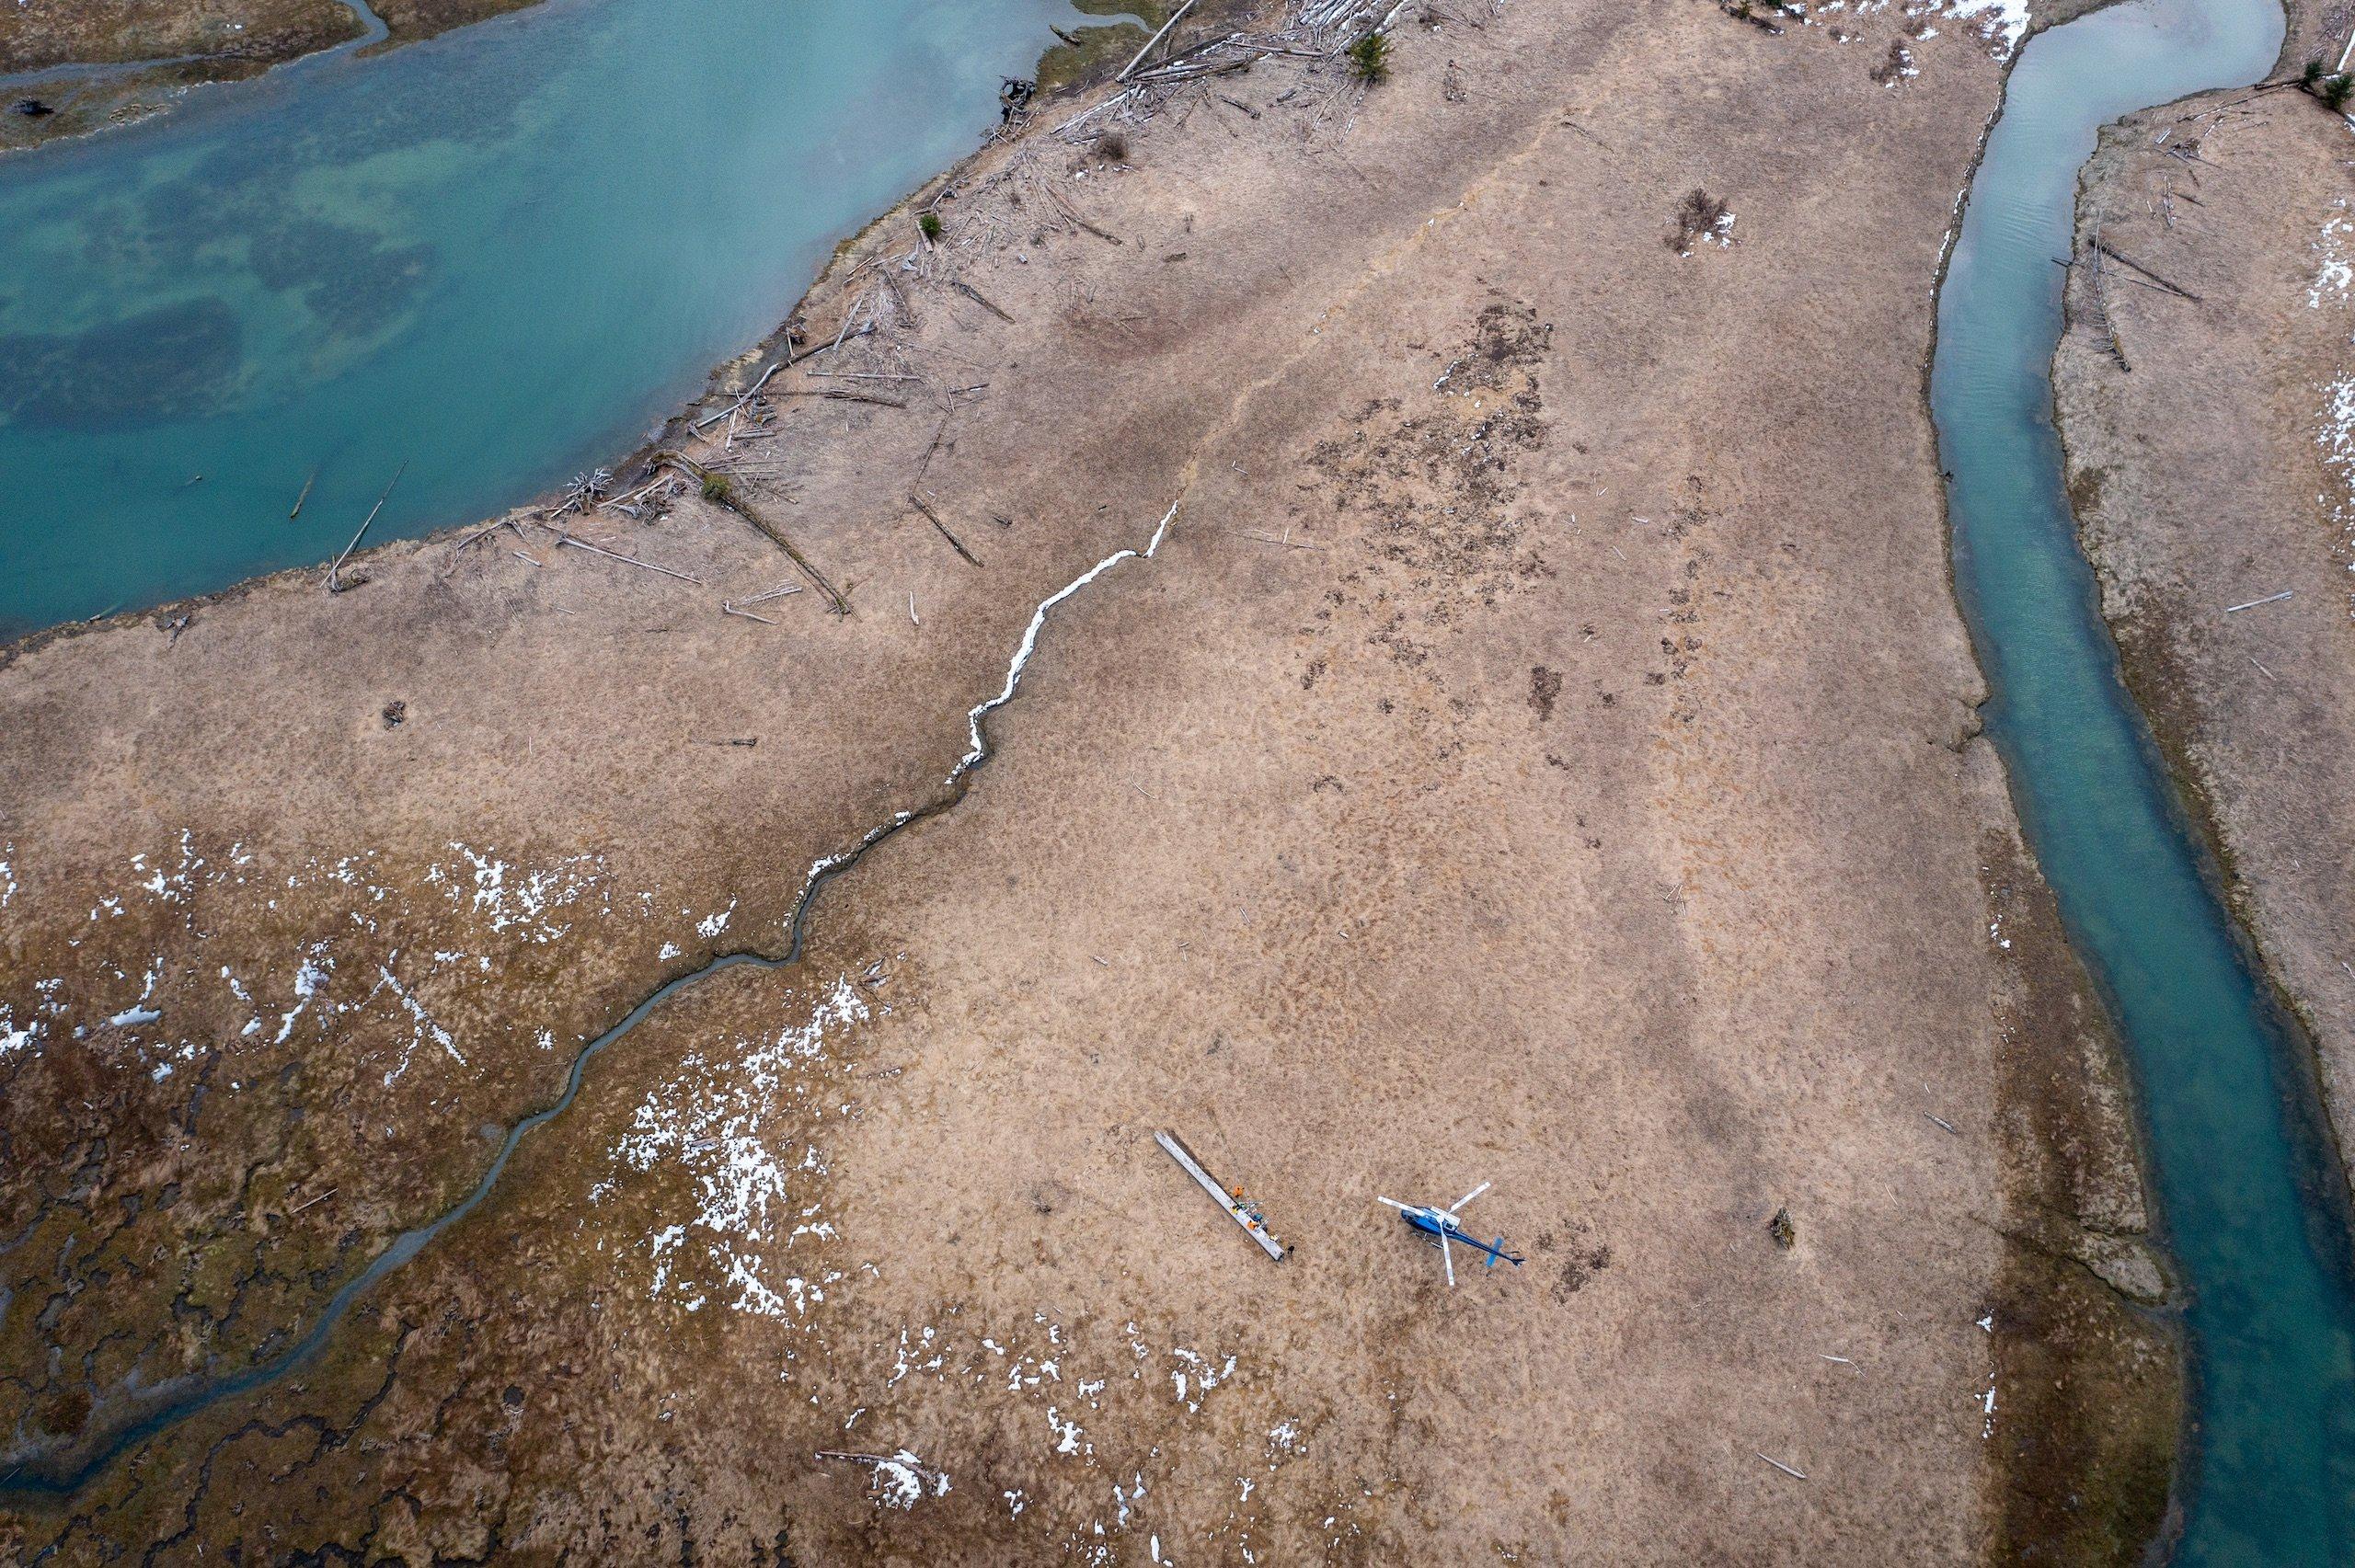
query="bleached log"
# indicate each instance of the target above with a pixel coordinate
(1150, 44)
(626, 560)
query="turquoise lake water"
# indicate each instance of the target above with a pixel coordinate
(501, 257)
(2253, 1201)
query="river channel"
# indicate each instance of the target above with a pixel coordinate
(500, 255)
(2252, 1197)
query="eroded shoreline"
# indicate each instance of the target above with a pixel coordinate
(2183, 659)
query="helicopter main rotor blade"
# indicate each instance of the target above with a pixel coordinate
(1393, 1203)
(1448, 1259)
(1467, 1198)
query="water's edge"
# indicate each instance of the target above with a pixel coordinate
(35, 1481)
(372, 29)
(2307, 1103)
(735, 370)
(2116, 1068)
(723, 377)
(373, 32)
(2200, 813)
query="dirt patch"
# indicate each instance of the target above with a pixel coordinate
(1703, 219)
(1545, 690)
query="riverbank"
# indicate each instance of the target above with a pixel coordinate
(70, 70)
(2242, 1166)
(197, 338)
(1541, 745)
(2210, 485)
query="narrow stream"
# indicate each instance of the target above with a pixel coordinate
(2251, 1194)
(61, 1474)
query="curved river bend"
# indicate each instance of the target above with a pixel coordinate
(2253, 1198)
(499, 256)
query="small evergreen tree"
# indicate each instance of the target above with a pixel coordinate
(2337, 90)
(1370, 58)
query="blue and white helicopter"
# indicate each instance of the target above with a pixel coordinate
(1442, 1225)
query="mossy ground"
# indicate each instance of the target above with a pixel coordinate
(1102, 49)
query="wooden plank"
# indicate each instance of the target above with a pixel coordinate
(1251, 1227)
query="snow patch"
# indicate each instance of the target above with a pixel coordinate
(710, 1120)
(976, 748)
(904, 1480)
(422, 1026)
(526, 902)
(2002, 23)
(2334, 258)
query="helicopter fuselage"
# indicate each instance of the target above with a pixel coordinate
(1439, 1222)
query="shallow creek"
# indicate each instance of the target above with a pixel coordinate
(2251, 1193)
(500, 256)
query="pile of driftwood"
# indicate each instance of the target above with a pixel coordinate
(2098, 277)
(667, 482)
(2188, 148)
(875, 354)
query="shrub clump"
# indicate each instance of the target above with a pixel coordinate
(1702, 217)
(2332, 89)
(1370, 58)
